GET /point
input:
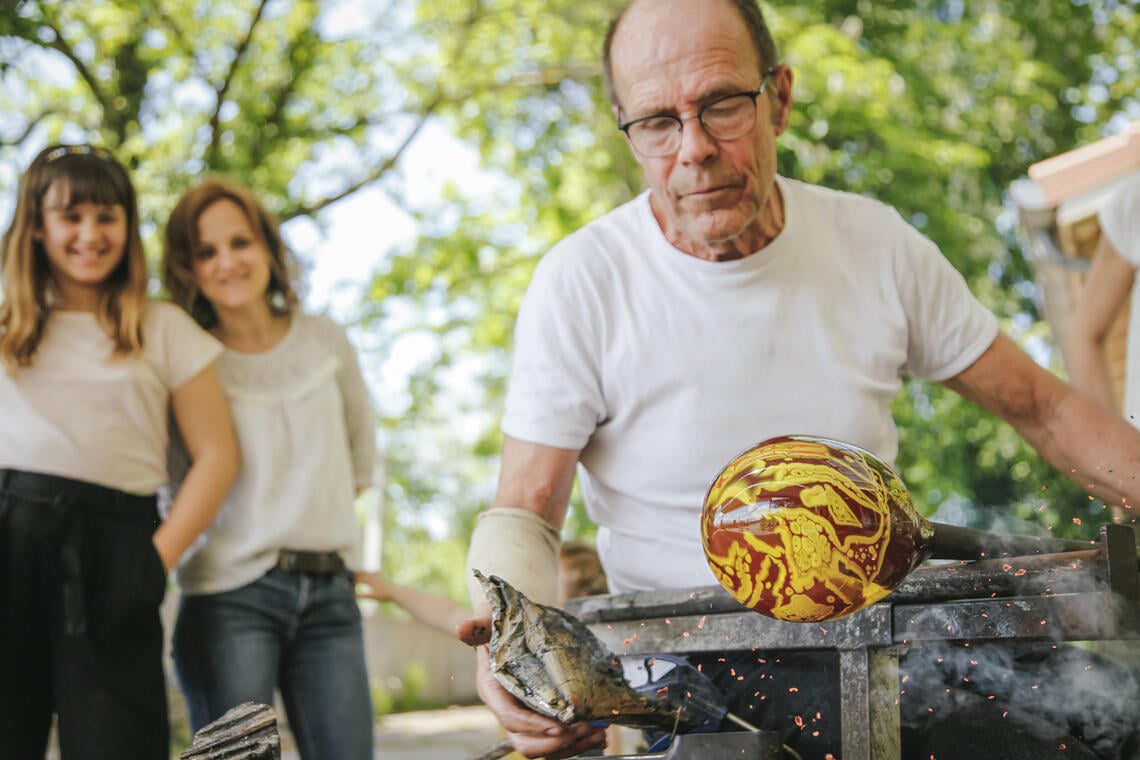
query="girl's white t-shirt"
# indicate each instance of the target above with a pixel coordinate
(80, 412)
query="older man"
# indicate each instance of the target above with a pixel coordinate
(723, 306)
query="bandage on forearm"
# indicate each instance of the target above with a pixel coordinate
(518, 546)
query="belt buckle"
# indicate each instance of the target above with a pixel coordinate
(287, 561)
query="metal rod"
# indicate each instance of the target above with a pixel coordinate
(954, 542)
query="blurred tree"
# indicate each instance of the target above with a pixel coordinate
(933, 106)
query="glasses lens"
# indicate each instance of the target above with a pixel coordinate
(658, 136)
(730, 118)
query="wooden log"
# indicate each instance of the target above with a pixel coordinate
(245, 732)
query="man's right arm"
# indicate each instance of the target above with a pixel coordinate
(517, 539)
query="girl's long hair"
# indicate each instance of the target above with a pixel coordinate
(79, 174)
(181, 242)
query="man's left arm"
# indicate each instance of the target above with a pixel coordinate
(1095, 448)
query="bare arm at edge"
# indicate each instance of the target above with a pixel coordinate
(204, 421)
(1104, 296)
(1079, 436)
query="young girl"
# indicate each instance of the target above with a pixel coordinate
(267, 598)
(91, 372)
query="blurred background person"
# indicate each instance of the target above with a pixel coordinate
(1109, 288)
(267, 597)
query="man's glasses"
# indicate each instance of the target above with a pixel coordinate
(725, 118)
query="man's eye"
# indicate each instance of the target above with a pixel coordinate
(658, 124)
(725, 108)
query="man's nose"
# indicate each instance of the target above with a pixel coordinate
(697, 145)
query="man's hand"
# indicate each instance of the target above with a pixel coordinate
(530, 733)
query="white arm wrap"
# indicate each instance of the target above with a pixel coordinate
(518, 546)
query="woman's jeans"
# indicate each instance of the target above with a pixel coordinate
(294, 632)
(80, 632)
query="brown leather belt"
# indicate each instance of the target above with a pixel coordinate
(310, 563)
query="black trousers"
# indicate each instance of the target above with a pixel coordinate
(956, 702)
(80, 632)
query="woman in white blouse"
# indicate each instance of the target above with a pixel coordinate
(267, 595)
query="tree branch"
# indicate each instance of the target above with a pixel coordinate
(60, 46)
(223, 89)
(33, 122)
(373, 175)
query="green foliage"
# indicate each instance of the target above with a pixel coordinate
(931, 106)
(404, 694)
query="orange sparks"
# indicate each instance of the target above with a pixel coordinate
(701, 624)
(799, 722)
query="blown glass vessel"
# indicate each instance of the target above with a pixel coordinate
(809, 529)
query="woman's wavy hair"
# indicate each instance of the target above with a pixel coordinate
(74, 174)
(181, 243)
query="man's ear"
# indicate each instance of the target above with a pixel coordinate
(782, 80)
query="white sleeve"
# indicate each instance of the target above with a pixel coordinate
(555, 393)
(1120, 221)
(175, 345)
(359, 413)
(949, 329)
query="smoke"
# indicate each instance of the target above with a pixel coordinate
(1048, 693)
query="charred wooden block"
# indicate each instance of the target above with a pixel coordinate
(245, 732)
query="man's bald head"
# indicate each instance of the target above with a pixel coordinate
(750, 13)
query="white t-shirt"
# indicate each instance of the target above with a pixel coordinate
(1120, 223)
(306, 428)
(662, 367)
(81, 413)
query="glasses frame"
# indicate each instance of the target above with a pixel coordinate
(699, 116)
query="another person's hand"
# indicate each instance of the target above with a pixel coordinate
(371, 585)
(530, 733)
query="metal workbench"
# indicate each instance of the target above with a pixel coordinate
(1084, 595)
